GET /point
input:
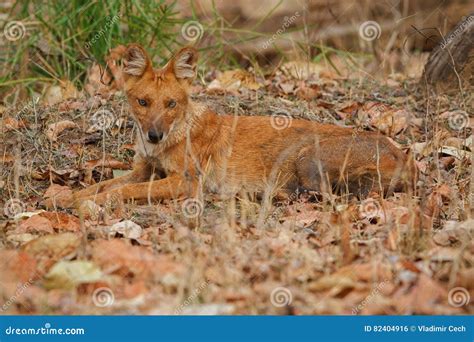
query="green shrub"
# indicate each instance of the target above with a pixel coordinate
(58, 39)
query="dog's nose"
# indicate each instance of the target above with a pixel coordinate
(154, 137)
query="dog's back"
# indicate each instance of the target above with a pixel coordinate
(249, 152)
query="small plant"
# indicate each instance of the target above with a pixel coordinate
(57, 40)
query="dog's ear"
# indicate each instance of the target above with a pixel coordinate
(136, 61)
(184, 64)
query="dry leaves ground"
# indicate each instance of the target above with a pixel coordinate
(406, 254)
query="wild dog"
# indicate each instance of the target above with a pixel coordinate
(181, 145)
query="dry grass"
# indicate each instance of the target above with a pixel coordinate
(327, 254)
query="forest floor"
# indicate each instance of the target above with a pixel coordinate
(409, 253)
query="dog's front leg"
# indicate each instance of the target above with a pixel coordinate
(173, 186)
(87, 192)
(106, 185)
(140, 173)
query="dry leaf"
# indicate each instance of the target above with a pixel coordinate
(384, 118)
(233, 80)
(422, 298)
(105, 82)
(35, 224)
(57, 128)
(305, 218)
(57, 93)
(90, 210)
(287, 87)
(309, 92)
(128, 229)
(71, 105)
(10, 124)
(335, 284)
(20, 238)
(48, 249)
(455, 152)
(62, 221)
(69, 274)
(16, 266)
(114, 65)
(348, 109)
(99, 82)
(121, 258)
(435, 200)
(58, 195)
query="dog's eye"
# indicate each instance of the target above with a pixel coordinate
(142, 102)
(171, 103)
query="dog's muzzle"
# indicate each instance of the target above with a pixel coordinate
(154, 137)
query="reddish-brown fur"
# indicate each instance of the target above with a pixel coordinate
(228, 154)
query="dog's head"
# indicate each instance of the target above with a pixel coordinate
(158, 98)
